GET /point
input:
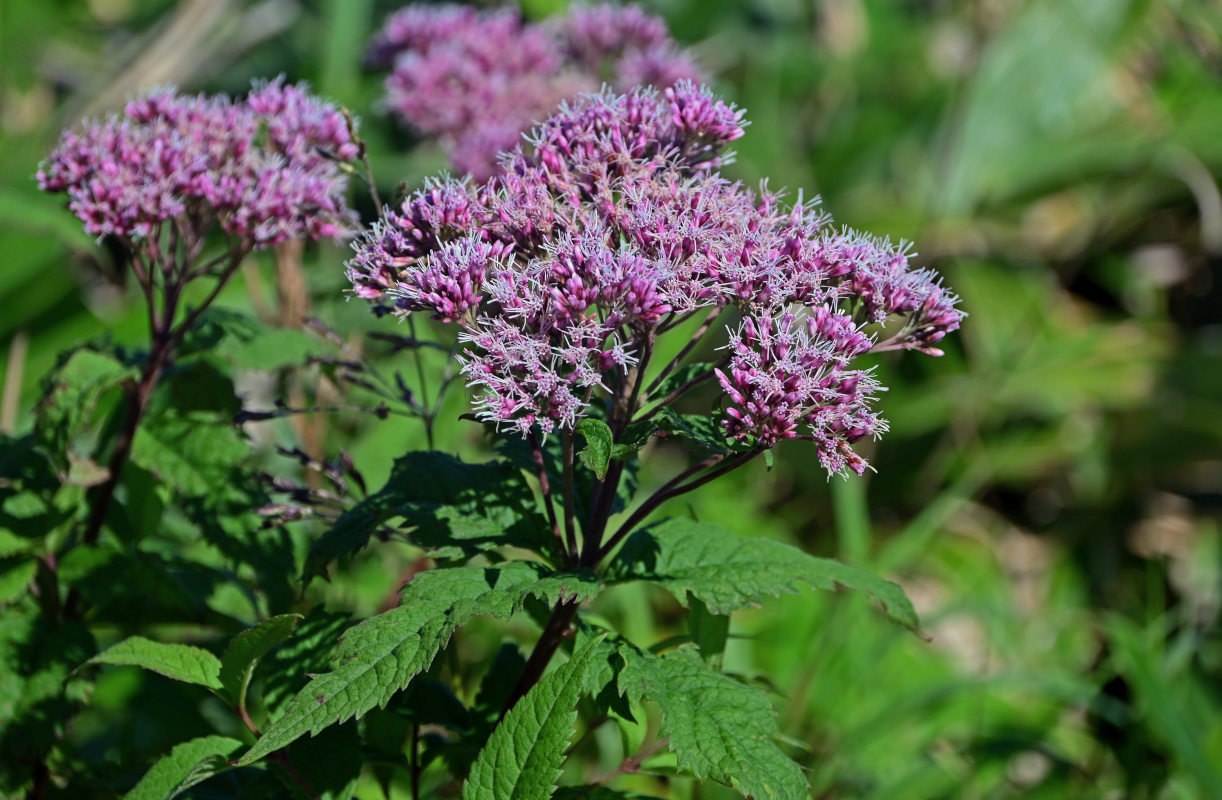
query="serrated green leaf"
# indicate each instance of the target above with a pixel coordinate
(599, 443)
(522, 758)
(727, 571)
(703, 430)
(178, 661)
(70, 396)
(193, 455)
(718, 728)
(286, 668)
(185, 766)
(455, 509)
(246, 649)
(244, 341)
(381, 655)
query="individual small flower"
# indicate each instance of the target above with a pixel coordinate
(477, 80)
(252, 167)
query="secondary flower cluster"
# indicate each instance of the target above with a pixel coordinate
(612, 224)
(477, 80)
(264, 169)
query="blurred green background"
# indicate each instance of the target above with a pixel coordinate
(1051, 491)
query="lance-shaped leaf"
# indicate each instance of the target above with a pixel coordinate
(522, 758)
(455, 509)
(381, 655)
(185, 766)
(246, 649)
(719, 729)
(178, 661)
(727, 571)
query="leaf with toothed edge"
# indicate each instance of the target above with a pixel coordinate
(185, 766)
(599, 445)
(451, 508)
(522, 758)
(380, 656)
(247, 648)
(727, 571)
(718, 729)
(178, 661)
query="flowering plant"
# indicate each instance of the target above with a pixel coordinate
(564, 274)
(476, 80)
(609, 295)
(188, 186)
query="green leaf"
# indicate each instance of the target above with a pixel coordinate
(728, 572)
(709, 632)
(178, 661)
(39, 690)
(16, 572)
(718, 728)
(243, 341)
(381, 655)
(185, 766)
(193, 455)
(702, 429)
(456, 509)
(70, 396)
(599, 443)
(286, 668)
(522, 758)
(247, 648)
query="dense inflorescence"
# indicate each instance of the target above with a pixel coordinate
(263, 170)
(611, 225)
(476, 80)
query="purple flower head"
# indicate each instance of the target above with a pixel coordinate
(449, 281)
(476, 80)
(787, 379)
(440, 212)
(608, 226)
(254, 168)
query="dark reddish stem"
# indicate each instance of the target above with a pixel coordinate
(674, 488)
(280, 757)
(687, 348)
(557, 629)
(549, 504)
(633, 763)
(165, 339)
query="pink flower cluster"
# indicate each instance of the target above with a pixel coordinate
(476, 80)
(788, 378)
(609, 225)
(264, 169)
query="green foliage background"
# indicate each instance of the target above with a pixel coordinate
(1049, 495)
